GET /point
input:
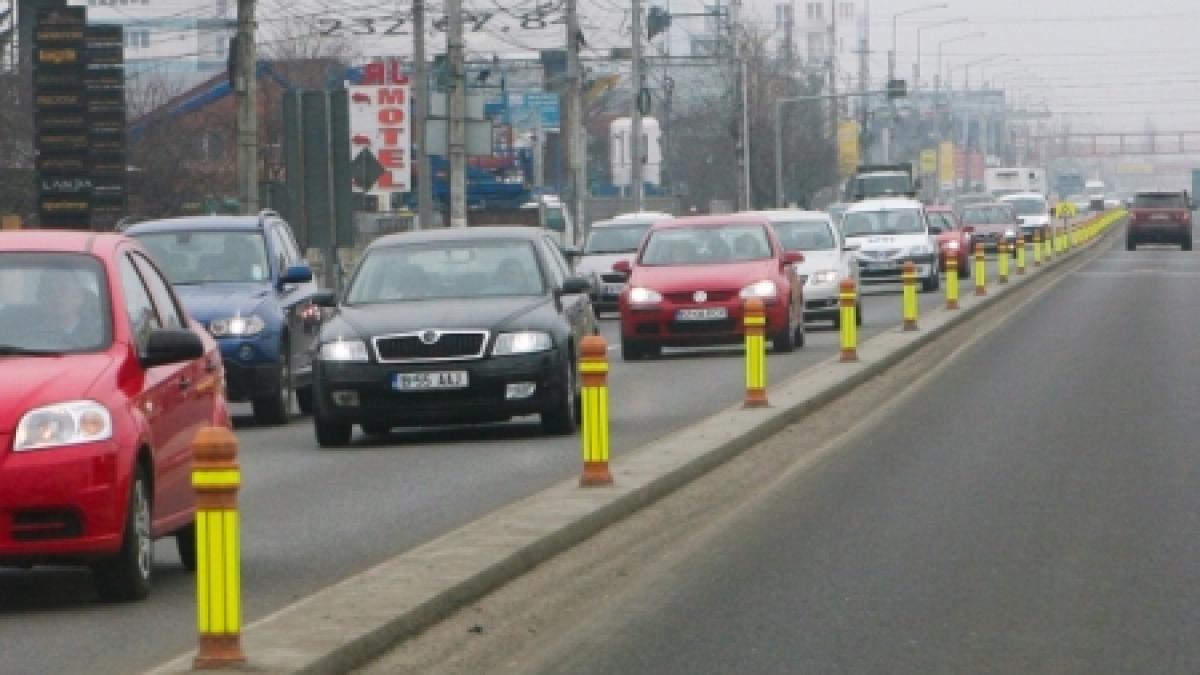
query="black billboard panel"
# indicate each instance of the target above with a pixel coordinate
(61, 163)
(107, 35)
(104, 79)
(46, 35)
(58, 56)
(59, 100)
(105, 56)
(60, 120)
(65, 185)
(58, 78)
(106, 101)
(107, 164)
(64, 141)
(62, 16)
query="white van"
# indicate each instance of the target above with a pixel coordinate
(889, 233)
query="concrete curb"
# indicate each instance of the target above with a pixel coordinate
(360, 618)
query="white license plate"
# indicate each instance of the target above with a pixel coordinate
(1160, 216)
(886, 265)
(450, 379)
(703, 314)
(613, 289)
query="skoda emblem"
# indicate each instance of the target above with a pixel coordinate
(700, 296)
(429, 337)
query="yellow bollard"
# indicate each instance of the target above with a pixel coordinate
(755, 322)
(1037, 248)
(952, 282)
(216, 478)
(848, 306)
(980, 270)
(1021, 254)
(593, 369)
(1049, 243)
(1002, 261)
(909, 277)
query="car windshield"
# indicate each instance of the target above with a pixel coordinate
(941, 219)
(52, 303)
(883, 183)
(706, 245)
(1159, 201)
(805, 235)
(615, 238)
(553, 218)
(988, 215)
(447, 270)
(192, 257)
(899, 221)
(1028, 206)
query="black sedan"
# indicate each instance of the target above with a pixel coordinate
(453, 326)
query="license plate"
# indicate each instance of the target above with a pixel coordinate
(613, 289)
(885, 265)
(450, 379)
(703, 314)
(1160, 216)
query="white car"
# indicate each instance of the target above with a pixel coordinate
(889, 233)
(1033, 212)
(609, 242)
(827, 259)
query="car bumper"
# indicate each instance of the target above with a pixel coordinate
(870, 271)
(1164, 233)
(659, 326)
(484, 400)
(243, 382)
(61, 505)
(820, 301)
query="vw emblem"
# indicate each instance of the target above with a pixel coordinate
(429, 337)
(700, 296)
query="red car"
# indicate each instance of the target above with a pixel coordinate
(105, 382)
(691, 276)
(953, 240)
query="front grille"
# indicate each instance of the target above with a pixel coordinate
(884, 254)
(430, 346)
(689, 297)
(704, 327)
(647, 329)
(45, 525)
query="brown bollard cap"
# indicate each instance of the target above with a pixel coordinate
(215, 445)
(847, 286)
(593, 348)
(755, 307)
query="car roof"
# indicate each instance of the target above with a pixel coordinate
(939, 208)
(484, 232)
(985, 205)
(1159, 192)
(1023, 195)
(196, 223)
(702, 221)
(872, 205)
(774, 215)
(65, 241)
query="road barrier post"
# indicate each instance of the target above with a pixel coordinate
(593, 369)
(1020, 254)
(848, 306)
(1037, 248)
(952, 282)
(1002, 261)
(755, 323)
(216, 478)
(909, 278)
(1049, 243)
(980, 270)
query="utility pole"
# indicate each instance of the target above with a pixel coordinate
(246, 96)
(458, 113)
(636, 182)
(576, 149)
(864, 73)
(833, 102)
(738, 98)
(420, 112)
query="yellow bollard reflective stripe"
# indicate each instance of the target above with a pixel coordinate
(233, 588)
(755, 320)
(216, 478)
(203, 573)
(593, 367)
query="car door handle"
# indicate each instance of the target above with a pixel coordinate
(185, 383)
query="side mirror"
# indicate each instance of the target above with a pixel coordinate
(576, 285)
(792, 257)
(623, 266)
(935, 229)
(570, 252)
(296, 274)
(171, 345)
(324, 298)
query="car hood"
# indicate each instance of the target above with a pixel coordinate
(31, 382)
(600, 263)
(206, 302)
(888, 242)
(815, 261)
(676, 278)
(994, 228)
(402, 317)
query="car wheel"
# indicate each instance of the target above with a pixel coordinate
(185, 542)
(931, 283)
(1130, 245)
(559, 419)
(277, 407)
(799, 337)
(785, 340)
(332, 434)
(1187, 244)
(964, 269)
(858, 314)
(126, 576)
(304, 400)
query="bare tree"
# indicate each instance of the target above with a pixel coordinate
(18, 194)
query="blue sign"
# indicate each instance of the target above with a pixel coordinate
(524, 109)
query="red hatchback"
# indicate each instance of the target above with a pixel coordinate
(690, 279)
(954, 240)
(104, 381)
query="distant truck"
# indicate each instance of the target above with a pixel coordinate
(1014, 180)
(1095, 191)
(1068, 184)
(882, 181)
(547, 212)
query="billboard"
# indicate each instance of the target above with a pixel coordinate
(380, 137)
(847, 143)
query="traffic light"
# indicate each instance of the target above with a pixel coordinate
(658, 20)
(897, 89)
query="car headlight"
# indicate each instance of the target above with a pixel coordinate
(823, 277)
(236, 326)
(344, 350)
(759, 289)
(68, 423)
(644, 296)
(951, 245)
(523, 342)
(1010, 233)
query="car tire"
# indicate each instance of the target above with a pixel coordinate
(126, 576)
(560, 418)
(784, 341)
(185, 543)
(1186, 245)
(304, 400)
(800, 335)
(276, 408)
(964, 270)
(931, 283)
(858, 314)
(1130, 245)
(332, 434)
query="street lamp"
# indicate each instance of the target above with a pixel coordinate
(917, 65)
(897, 15)
(967, 68)
(946, 42)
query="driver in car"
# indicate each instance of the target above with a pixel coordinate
(73, 311)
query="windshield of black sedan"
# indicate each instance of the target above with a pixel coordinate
(52, 303)
(615, 239)
(209, 257)
(706, 245)
(866, 223)
(448, 270)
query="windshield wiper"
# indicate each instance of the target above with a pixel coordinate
(14, 350)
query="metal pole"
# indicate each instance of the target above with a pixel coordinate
(458, 113)
(747, 200)
(576, 179)
(636, 182)
(779, 154)
(738, 99)
(246, 94)
(420, 111)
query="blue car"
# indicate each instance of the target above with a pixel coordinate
(244, 279)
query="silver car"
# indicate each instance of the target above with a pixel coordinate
(609, 242)
(828, 260)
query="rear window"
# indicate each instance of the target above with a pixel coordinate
(1172, 200)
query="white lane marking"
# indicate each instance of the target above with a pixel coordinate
(1125, 274)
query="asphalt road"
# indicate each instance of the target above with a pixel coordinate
(1035, 510)
(313, 517)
